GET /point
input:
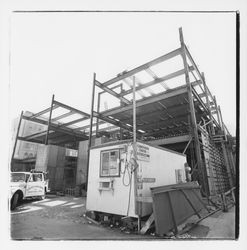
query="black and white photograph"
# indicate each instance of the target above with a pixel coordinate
(124, 125)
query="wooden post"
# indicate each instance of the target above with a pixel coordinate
(224, 203)
(49, 122)
(192, 114)
(91, 128)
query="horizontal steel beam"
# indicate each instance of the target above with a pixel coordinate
(195, 83)
(63, 116)
(55, 127)
(29, 140)
(156, 81)
(204, 105)
(148, 100)
(88, 126)
(164, 123)
(165, 131)
(44, 111)
(144, 66)
(171, 140)
(150, 72)
(158, 112)
(64, 140)
(74, 121)
(111, 121)
(71, 108)
(114, 87)
(112, 92)
(140, 92)
(36, 134)
(197, 70)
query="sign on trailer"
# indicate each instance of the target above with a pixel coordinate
(143, 153)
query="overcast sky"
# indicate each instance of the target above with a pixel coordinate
(57, 53)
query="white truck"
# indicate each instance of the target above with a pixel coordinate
(27, 184)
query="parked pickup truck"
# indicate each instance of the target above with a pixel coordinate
(27, 184)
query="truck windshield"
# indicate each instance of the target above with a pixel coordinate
(16, 177)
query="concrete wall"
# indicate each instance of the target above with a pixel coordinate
(51, 158)
(81, 172)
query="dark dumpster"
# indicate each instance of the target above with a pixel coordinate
(173, 204)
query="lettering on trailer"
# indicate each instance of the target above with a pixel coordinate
(143, 153)
(146, 180)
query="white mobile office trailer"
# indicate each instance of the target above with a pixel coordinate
(113, 184)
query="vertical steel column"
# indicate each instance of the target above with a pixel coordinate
(49, 122)
(192, 114)
(221, 119)
(98, 109)
(208, 104)
(217, 112)
(91, 127)
(16, 138)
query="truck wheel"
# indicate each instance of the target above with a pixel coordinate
(42, 197)
(14, 201)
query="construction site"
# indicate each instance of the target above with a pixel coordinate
(155, 136)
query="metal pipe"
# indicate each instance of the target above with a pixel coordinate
(187, 145)
(134, 112)
(135, 155)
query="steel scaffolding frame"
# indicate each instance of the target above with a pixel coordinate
(173, 112)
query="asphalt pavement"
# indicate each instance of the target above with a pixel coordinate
(63, 218)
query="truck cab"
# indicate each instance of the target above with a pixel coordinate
(27, 184)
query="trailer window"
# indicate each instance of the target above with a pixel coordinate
(109, 165)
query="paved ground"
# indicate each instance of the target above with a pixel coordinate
(221, 225)
(57, 218)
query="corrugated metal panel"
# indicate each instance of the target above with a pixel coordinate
(60, 157)
(82, 163)
(42, 158)
(52, 161)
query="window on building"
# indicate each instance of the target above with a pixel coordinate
(109, 165)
